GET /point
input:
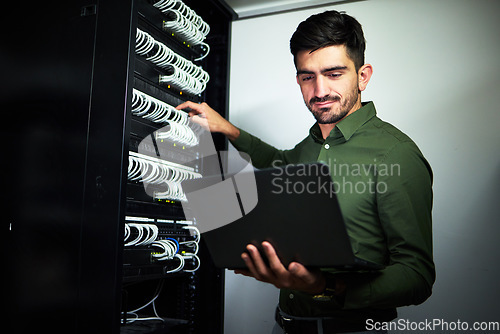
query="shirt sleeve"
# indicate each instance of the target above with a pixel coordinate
(405, 215)
(262, 154)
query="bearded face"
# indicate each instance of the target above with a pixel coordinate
(331, 109)
(329, 83)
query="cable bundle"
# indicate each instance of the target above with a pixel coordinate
(166, 174)
(170, 249)
(184, 21)
(157, 111)
(183, 80)
(144, 232)
(179, 133)
(192, 244)
(137, 234)
(167, 249)
(151, 302)
(183, 73)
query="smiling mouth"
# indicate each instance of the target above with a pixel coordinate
(324, 102)
(325, 106)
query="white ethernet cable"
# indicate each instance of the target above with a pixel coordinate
(190, 257)
(166, 249)
(184, 73)
(192, 243)
(178, 129)
(195, 245)
(152, 231)
(140, 232)
(152, 301)
(180, 7)
(190, 15)
(183, 80)
(196, 232)
(144, 165)
(179, 133)
(144, 42)
(146, 234)
(155, 110)
(161, 172)
(169, 251)
(186, 23)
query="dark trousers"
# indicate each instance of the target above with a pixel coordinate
(287, 324)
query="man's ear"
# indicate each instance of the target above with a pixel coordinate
(364, 74)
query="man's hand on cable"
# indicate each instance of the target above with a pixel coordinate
(295, 277)
(204, 115)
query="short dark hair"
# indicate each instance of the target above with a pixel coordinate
(327, 29)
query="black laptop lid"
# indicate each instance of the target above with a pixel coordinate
(297, 212)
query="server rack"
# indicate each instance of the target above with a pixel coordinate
(70, 73)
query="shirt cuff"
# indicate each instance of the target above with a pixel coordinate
(243, 142)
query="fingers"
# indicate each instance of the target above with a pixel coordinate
(299, 271)
(200, 121)
(188, 104)
(296, 276)
(256, 264)
(274, 272)
(243, 272)
(248, 262)
(312, 281)
(274, 261)
(204, 115)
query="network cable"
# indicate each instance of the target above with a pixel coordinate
(184, 23)
(146, 233)
(167, 175)
(182, 72)
(151, 302)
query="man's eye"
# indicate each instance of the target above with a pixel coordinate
(307, 78)
(334, 75)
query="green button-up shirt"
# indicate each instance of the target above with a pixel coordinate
(384, 189)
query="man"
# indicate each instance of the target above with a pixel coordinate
(383, 184)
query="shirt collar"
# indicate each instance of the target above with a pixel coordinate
(349, 125)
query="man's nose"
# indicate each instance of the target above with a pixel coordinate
(321, 87)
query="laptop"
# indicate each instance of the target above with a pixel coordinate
(296, 212)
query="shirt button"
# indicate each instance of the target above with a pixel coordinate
(327, 146)
(291, 296)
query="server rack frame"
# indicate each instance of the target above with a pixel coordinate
(69, 67)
